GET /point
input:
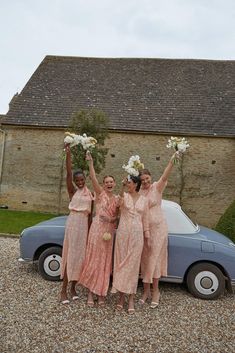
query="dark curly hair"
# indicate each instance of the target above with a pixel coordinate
(79, 172)
(136, 180)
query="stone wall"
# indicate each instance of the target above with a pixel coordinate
(33, 176)
(32, 170)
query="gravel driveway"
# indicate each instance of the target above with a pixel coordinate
(32, 320)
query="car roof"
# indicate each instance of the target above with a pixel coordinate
(167, 203)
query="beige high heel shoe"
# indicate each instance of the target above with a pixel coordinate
(154, 304)
(142, 301)
(131, 311)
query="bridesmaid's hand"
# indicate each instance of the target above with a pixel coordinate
(67, 147)
(176, 156)
(124, 182)
(88, 156)
(107, 219)
(104, 219)
(149, 243)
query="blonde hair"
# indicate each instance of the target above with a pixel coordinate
(108, 176)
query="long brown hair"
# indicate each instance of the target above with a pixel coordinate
(145, 172)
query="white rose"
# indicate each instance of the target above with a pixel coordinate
(68, 139)
(181, 147)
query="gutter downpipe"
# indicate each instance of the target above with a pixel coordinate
(2, 156)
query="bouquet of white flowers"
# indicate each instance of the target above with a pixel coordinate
(134, 166)
(179, 144)
(87, 142)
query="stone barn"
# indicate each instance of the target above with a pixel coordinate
(147, 101)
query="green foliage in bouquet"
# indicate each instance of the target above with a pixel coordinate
(94, 123)
(226, 224)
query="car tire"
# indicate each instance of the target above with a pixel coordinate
(49, 263)
(206, 281)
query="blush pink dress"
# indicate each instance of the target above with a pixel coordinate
(154, 260)
(129, 243)
(76, 230)
(98, 261)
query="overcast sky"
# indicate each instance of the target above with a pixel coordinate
(30, 30)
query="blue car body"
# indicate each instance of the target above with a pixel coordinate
(204, 246)
(188, 245)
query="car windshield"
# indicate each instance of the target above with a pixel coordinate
(178, 222)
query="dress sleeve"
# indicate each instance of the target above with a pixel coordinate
(146, 220)
(99, 196)
(119, 201)
(160, 185)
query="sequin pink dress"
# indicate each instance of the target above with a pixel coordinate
(154, 260)
(98, 262)
(76, 230)
(129, 243)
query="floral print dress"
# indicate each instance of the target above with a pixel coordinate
(98, 262)
(129, 243)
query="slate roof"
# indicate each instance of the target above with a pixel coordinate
(195, 97)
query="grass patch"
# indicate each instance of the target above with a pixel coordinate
(13, 222)
(226, 224)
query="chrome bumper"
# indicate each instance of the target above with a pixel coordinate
(24, 261)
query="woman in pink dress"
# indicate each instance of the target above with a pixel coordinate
(154, 256)
(98, 261)
(132, 229)
(76, 229)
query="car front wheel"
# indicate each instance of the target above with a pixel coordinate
(205, 281)
(49, 263)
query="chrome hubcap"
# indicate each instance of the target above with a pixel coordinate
(206, 282)
(52, 265)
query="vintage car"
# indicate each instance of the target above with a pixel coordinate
(202, 258)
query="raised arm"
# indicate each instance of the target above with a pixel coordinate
(69, 174)
(169, 167)
(121, 192)
(97, 188)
